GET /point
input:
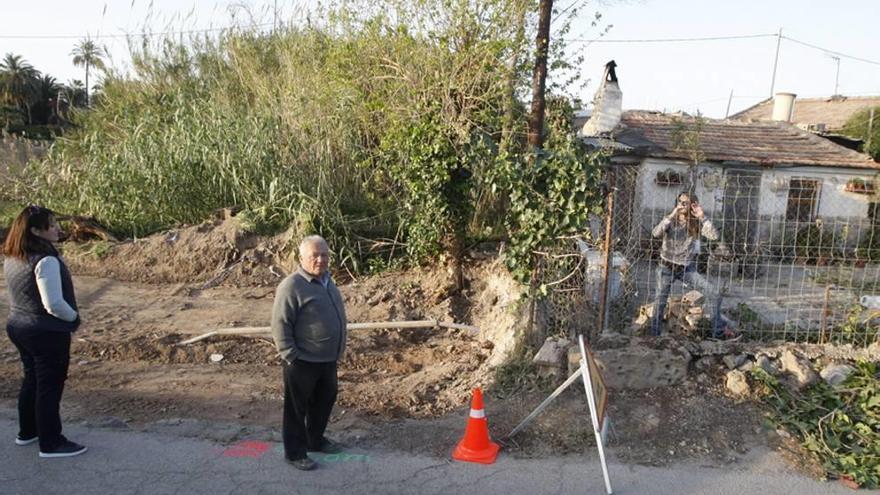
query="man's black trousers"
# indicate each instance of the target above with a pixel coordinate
(309, 395)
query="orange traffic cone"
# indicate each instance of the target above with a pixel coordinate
(476, 445)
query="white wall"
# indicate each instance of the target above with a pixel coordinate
(833, 200)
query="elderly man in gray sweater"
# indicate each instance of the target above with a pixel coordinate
(309, 329)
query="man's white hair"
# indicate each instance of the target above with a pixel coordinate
(309, 241)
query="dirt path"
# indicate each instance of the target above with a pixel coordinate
(402, 389)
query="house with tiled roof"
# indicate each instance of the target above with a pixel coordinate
(761, 181)
(826, 114)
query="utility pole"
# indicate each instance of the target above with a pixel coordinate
(837, 75)
(539, 76)
(775, 62)
(729, 100)
(870, 128)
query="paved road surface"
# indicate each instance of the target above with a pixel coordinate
(122, 461)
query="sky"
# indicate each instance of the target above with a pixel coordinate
(689, 76)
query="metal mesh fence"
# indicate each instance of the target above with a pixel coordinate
(795, 256)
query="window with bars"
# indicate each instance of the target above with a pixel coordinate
(803, 200)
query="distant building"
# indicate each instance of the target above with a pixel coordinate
(761, 180)
(820, 115)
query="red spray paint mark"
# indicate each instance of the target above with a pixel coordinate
(247, 448)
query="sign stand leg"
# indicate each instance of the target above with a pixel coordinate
(594, 416)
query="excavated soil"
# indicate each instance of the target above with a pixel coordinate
(405, 389)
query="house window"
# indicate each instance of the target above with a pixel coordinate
(803, 198)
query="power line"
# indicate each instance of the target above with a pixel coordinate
(839, 54)
(672, 40)
(559, 15)
(99, 36)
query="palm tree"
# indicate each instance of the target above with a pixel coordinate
(88, 54)
(44, 94)
(17, 80)
(75, 92)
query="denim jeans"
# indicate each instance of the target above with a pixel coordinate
(667, 274)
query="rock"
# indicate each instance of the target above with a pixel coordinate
(746, 366)
(799, 369)
(705, 364)
(693, 320)
(693, 298)
(552, 354)
(611, 340)
(737, 384)
(764, 362)
(733, 362)
(216, 358)
(676, 309)
(639, 367)
(716, 347)
(648, 310)
(835, 374)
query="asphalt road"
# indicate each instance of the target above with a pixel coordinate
(123, 461)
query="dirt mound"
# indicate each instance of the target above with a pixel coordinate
(391, 373)
(215, 252)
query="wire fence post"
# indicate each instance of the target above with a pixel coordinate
(609, 256)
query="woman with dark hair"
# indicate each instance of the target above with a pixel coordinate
(681, 231)
(42, 316)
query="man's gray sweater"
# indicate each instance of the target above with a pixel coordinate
(308, 319)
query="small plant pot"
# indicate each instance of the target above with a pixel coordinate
(860, 187)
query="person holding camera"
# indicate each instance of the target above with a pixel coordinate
(681, 232)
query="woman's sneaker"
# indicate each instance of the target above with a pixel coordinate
(26, 441)
(65, 449)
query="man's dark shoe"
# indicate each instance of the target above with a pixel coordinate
(64, 449)
(304, 464)
(328, 447)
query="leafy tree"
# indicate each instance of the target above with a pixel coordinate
(75, 93)
(17, 80)
(44, 93)
(88, 54)
(858, 126)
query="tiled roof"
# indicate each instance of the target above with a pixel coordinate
(759, 143)
(831, 111)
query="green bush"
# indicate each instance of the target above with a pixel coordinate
(839, 425)
(40, 132)
(384, 125)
